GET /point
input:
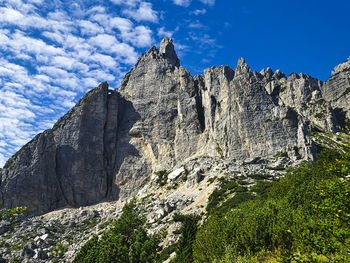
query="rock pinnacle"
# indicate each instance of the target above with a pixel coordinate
(168, 51)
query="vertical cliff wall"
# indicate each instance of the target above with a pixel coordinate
(113, 141)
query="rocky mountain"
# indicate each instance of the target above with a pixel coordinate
(114, 143)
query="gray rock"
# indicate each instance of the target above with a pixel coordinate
(41, 254)
(176, 174)
(63, 163)
(194, 178)
(252, 160)
(168, 51)
(336, 90)
(28, 252)
(3, 227)
(109, 146)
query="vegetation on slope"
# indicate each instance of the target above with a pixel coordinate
(304, 217)
(126, 241)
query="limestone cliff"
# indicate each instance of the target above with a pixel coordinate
(336, 89)
(112, 142)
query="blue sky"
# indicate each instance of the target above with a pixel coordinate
(52, 52)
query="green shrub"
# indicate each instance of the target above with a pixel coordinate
(282, 154)
(260, 176)
(126, 241)
(162, 177)
(184, 247)
(305, 217)
(12, 213)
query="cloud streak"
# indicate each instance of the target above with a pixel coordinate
(53, 52)
(50, 57)
(208, 2)
(184, 3)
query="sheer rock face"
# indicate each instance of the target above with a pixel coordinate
(336, 89)
(70, 164)
(243, 120)
(113, 141)
(168, 126)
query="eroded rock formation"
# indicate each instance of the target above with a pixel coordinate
(108, 146)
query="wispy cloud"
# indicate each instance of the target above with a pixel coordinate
(126, 2)
(143, 13)
(196, 24)
(205, 40)
(185, 3)
(52, 52)
(208, 2)
(50, 57)
(166, 33)
(199, 12)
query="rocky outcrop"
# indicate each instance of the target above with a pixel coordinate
(113, 142)
(71, 164)
(336, 90)
(242, 119)
(59, 235)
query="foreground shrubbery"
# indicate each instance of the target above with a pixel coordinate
(305, 217)
(12, 213)
(126, 241)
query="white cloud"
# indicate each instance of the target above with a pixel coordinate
(54, 36)
(208, 2)
(103, 41)
(126, 52)
(36, 1)
(69, 63)
(15, 112)
(8, 15)
(18, 43)
(163, 33)
(143, 13)
(96, 9)
(139, 36)
(184, 3)
(196, 24)
(31, 20)
(126, 2)
(199, 12)
(101, 18)
(20, 5)
(51, 71)
(100, 74)
(89, 28)
(103, 60)
(123, 24)
(49, 57)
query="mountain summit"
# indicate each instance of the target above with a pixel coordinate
(113, 142)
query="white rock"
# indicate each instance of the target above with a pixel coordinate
(175, 174)
(44, 237)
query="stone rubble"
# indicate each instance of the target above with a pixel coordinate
(111, 146)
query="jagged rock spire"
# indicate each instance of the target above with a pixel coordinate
(242, 67)
(342, 67)
(168, 51)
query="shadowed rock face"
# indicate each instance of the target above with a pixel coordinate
(112, 141)
(71, 164)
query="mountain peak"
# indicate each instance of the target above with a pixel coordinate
(168, 51)
(344, 67)
(242, 67)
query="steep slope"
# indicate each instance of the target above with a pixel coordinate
(110, 145)
(58, 166)
(336, 89)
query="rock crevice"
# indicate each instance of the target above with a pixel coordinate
(114, 141)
